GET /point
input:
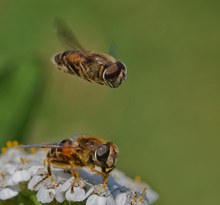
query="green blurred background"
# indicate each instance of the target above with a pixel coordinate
(164, 118)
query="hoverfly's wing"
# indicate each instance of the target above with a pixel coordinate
(39, 146)
(113, 50)
(52, 145)
(65, 34)
(75, 136)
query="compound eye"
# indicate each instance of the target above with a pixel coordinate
(121, 66)
(112, 71)
(102, 153)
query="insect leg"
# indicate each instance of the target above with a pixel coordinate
(76, 178)
(84, 73)
(47, 163)
(49, 167)
(103, 174)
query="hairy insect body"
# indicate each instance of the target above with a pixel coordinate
(76, 153)
(91, 66)
(82, 151)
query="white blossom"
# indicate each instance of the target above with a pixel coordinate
(118, 179)
(38, 178)
(74, 190)
(8, 192)
(77, 194)
(46, 192)
(124, 196)
(60, 197)
(21, 167)
(7, 188)
(101, 196)
(21, 176)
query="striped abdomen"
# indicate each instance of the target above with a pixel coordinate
(68, 61)
(94, 67)
(81, 64)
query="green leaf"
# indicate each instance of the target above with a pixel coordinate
(21, 86)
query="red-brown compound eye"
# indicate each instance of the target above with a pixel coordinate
(114, 74)
(121, 66)
(112, 71)
(102, 153)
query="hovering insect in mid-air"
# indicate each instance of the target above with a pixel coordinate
(82, 151)
(92, 66)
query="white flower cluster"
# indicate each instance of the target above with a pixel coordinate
(19, 168)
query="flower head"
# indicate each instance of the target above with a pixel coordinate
(23, 168)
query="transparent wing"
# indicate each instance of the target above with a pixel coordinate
(113, 51)
(39, 146)
(65, 34)
(75, 136)
(57, 145)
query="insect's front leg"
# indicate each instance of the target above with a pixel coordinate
(103, 174)
(83, 72)
(74, 173)
(76, 181)
(49, 172)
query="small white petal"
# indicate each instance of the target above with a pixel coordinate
(34, 169)
(45, 195)
(66, 185)
(21, 176)
(100, 200)
(77, 195)
(33, 183)
(121, 199)
(88, 193)
(61, 176)
(110, 201)
(60, 196)
(9, 181)
(93, 200)
(11, 168)
(41, 171)
(8, 193)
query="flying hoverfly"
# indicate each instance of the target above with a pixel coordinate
(81, 151)
(92, 66)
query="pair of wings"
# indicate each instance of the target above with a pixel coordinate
(67, 37)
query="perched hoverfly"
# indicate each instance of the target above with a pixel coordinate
(83, 151)
(92, 66)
